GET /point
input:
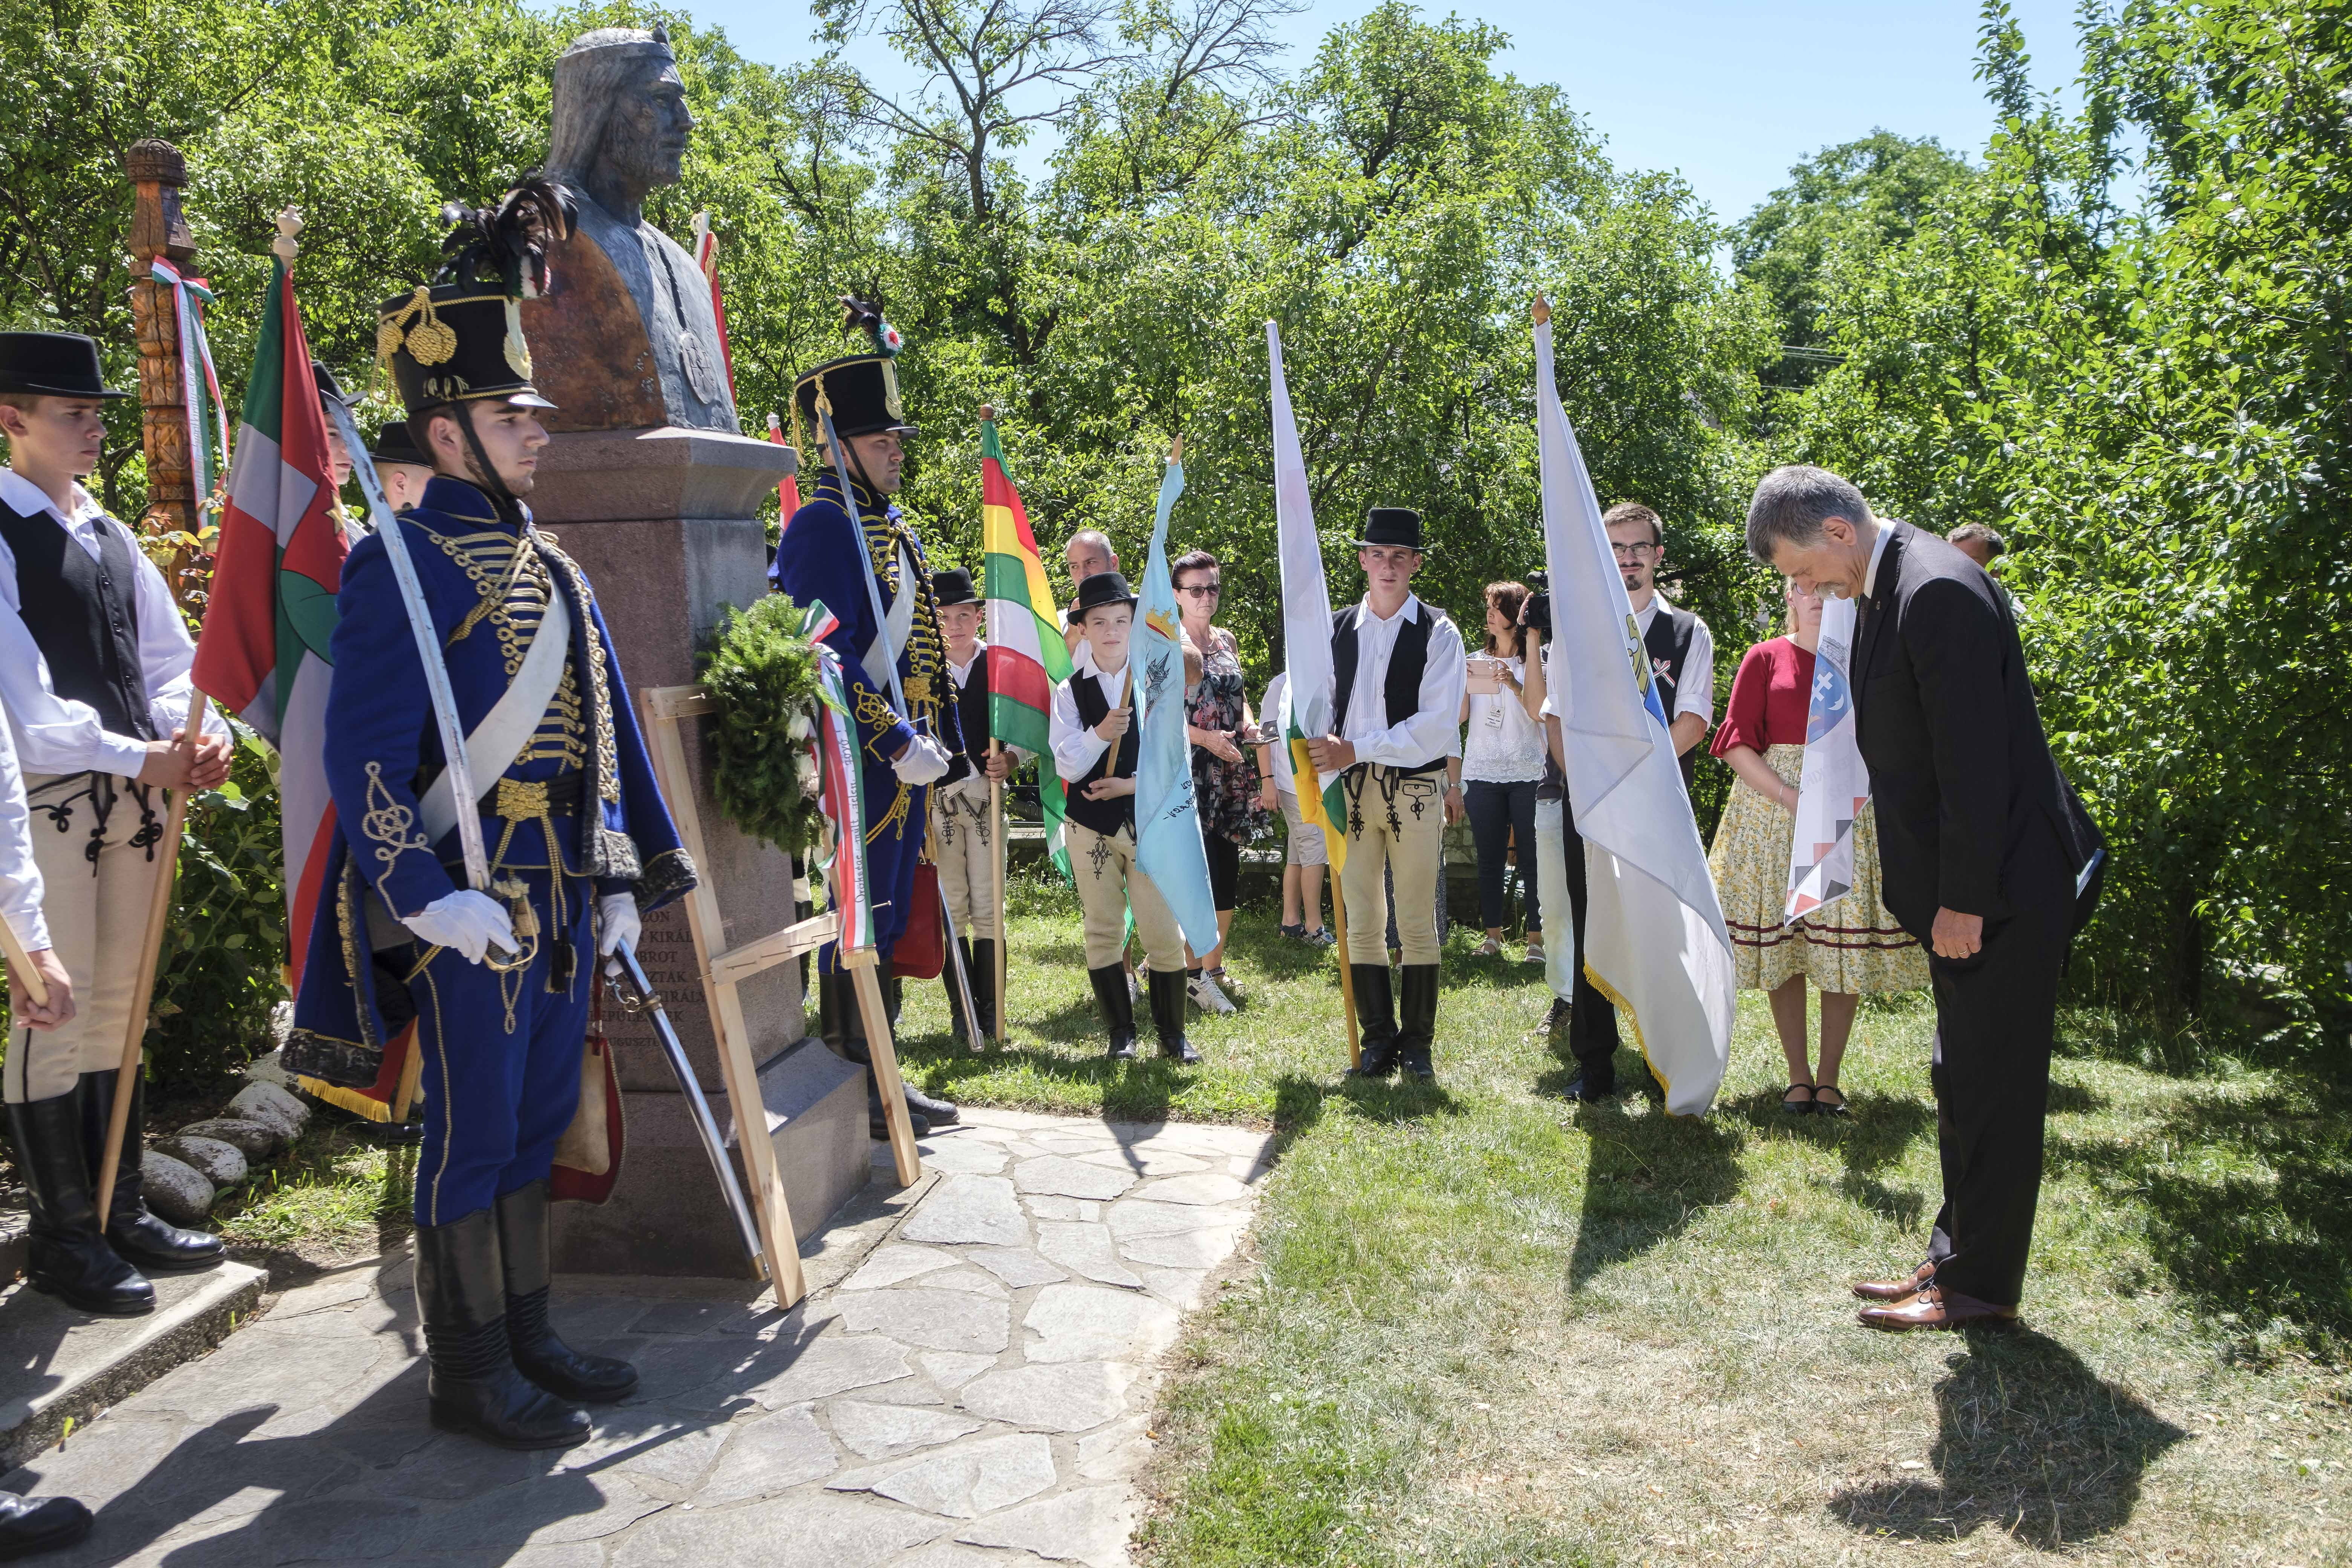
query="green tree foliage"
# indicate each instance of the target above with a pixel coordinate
(1860, 196)
(2149, 396)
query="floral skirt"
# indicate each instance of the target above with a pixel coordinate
(1853, 946)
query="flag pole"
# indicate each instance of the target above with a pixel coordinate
(159, 916)
(20, 964)
(1004, 922)
(1346, 970)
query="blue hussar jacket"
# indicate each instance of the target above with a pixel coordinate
(823, 554)
(487, 584)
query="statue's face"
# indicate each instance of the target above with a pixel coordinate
(645, 133)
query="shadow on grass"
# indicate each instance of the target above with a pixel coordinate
(2245, 1198)
(1647, 1176)
(2012, 1395)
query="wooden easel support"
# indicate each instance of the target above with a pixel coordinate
(724, 970)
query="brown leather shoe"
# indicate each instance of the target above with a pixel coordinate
(1935, 1308)
(1896, 1290)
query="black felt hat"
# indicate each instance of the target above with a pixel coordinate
(1392, 525)
(329, 389)
(456, 342)
(54, 364)
(863, 391)
(393, 444)
(1102, 588)
(952, 587)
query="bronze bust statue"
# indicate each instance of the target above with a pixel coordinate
(625, 332)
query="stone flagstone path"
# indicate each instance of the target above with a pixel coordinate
(977, 1390)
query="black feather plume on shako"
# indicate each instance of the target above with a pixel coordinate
(507, 244)
(866, 317)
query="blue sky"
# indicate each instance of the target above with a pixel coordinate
(1728, 93)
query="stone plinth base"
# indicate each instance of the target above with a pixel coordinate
(665, 522)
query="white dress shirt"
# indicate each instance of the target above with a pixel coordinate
(57, 736)
(1877, 549)
(1433, 729)
(1694, 681)
(1076, 747)
(20, 878)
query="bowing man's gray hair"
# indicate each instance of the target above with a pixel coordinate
(589, 75)
(1793, 502)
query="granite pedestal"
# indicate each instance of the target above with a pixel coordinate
(665, 522)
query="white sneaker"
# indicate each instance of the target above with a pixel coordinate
(1205, 995)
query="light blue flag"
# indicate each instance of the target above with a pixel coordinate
(1167, 826)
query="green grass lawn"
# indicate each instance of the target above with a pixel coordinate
(1483, 1325)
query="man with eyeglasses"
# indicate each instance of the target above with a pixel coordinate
(1682, 663)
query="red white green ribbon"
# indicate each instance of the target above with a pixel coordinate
(202, 394)
(842, 788)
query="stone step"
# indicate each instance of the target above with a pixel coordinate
(58, 1364)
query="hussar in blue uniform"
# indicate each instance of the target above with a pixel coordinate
(848, 528)
(579, 843)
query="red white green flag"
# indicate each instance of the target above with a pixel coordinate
(1027, 655)
(264, 650)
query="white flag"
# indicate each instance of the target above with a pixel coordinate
(1654, 935)
(1835, 785)
(1306, 616)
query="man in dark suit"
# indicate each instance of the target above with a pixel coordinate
(1986, 856)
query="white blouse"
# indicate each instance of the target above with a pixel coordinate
(1503, 745)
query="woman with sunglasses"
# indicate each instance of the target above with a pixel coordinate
(1224, 774)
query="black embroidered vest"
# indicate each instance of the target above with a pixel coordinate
(971, 708)
(1400, 687)
(84, 616)
(1668, 641)
(1104, 817)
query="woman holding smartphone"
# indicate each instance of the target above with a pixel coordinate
(1502, 762)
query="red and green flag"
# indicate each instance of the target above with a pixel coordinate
(1027, 655)
(264, 651)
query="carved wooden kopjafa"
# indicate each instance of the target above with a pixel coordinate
(157, 173)
(639, 340)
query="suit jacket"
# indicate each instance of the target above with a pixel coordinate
(1973, 813)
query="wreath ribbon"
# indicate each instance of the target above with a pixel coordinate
(842, 788)
(202, 394)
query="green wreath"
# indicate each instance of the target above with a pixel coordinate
(762, 677)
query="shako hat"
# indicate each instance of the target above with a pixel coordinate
(53, 365)
(860, 390)
(952, 587)
(460, 339)
(456, 342)
(393, 444)
(1102, 588)
(329, 389)
(1392, 525)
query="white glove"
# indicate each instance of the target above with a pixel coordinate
(923, 762)
(618, 923)
(466, 924)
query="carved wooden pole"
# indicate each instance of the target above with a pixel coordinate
(157, 173)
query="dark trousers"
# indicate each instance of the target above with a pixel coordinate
(497, 1100)
(1500, 813)
(1225, 859)
(1593, 1019)
(1995, 1015)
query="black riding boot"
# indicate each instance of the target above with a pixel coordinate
(69, 1256)
(1116, 1008)
(1418, 1032)
(538, 1354)
(1375, 1021)
(471, 1381)
(955, 997)
(137, 1238)
(41, 1524)
(984, 985)
(1168, 1003)
(844, 1030)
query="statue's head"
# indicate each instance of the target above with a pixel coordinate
(620, 119)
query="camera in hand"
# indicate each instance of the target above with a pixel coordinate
(1536, 614)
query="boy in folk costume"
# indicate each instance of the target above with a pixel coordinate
(852, 548)
(1398, 671)
(963, 826)
(578, 840)
(94, 662)
(1094, 748)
